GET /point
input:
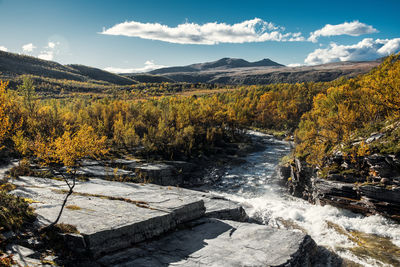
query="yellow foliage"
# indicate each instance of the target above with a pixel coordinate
(343, 110)
(71, 147)
(5, 122)
(363, 149)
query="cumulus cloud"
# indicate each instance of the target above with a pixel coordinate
(367, 49)
(293, 65)
(51, 45)
(255, 30)
(46, 55)
(49, 51)
(3, 48)
(354, 28)
(28, 47)
(149, 65)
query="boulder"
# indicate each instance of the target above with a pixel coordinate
(300, 185)
(381, 193)
(284, 172)
(158, 173)
(325, 188)
(383, 166)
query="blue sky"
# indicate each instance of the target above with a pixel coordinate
(170, 33)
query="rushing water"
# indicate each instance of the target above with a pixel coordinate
(369, 241)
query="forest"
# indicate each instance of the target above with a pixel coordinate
(168, 126)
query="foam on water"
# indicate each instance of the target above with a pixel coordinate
(254, 185)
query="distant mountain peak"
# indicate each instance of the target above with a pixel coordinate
(266, 62)
(220, 64)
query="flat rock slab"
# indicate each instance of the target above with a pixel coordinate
(110, 215)
(213, 242)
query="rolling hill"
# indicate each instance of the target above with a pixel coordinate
(13, 65)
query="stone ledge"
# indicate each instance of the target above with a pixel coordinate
(213, 242)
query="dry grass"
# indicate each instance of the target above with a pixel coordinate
(73, 207)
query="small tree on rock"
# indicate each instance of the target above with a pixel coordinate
(65, 154)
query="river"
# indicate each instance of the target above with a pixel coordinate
(368, 241)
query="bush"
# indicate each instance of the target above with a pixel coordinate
(14, 212)
(22, 169)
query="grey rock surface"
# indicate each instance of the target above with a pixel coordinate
(111, 215)
(158, 173)
(381, 193)
(221, 208)
(213, 242)
(370, 185)
(162, 173)
(325, 188)
(104, 172)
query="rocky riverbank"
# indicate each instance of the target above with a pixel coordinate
(123, 224)
(367, 185)
(120, 224)
(187, 172)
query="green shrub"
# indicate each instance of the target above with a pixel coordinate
(14, 212)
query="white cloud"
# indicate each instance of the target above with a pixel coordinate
(28, 47)
(149, 65)
(3, 48)
(255, 30)
(390, 46)
(367, 49)
(46, 55)
(49, 51)
(51, 45)
(293, 65)
(354, 28)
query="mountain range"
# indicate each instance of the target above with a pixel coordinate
(222, 64)
(240, 71)
(223, 71)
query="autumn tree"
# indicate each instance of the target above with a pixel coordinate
(65, 154)
(27, 90)
(5, 123)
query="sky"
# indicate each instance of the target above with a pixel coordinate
(135, 36)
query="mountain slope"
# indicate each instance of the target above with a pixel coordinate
(101, 75)
(13, 65)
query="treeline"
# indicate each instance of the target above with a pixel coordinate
(345, 115)
(168, 88)
(170, 127)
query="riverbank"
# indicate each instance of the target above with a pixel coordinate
(139, 217)
(250, 183)
(257, 186)
(368, 185)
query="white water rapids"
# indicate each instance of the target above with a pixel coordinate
(255, 185)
